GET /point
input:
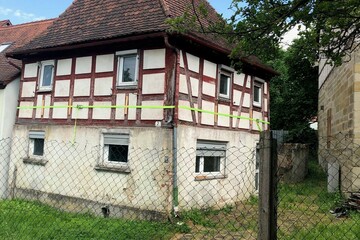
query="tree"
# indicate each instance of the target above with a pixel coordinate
(331, 27)
(294, 94)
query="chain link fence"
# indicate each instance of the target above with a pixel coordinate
(319, 189)
(61, 190)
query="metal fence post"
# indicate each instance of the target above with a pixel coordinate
(267, 187)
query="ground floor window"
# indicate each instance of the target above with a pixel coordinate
(116, 148)
(37, 143)
(210, 157)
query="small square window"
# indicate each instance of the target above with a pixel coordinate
(116, 148)
(224, 84)
(210, 158)
(128, 67)
(46, 75)
(257, 94)
(37, 143)
(118, 153)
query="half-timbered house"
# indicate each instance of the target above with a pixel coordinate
(111, 75)
(11, 36)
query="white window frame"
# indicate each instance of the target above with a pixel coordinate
(43, 64)
(120, 139)
(227, 71)
(120, 56)
(260, 84)
(206, 148)
(35, 134)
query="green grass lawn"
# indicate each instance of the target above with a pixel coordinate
(303, 213)
(29, 220)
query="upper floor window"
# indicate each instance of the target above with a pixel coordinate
(46, 75)
(128, 67)
(258, 93)
(224, 84)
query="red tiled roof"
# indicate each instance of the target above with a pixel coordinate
(5, 23)
(89, 20)
(18, 36)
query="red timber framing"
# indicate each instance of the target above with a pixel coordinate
(169, 96)
(245, 88)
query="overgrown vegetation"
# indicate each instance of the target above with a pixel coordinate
(303, 211)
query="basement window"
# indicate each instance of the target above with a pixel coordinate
(128, 68)
(36, 148)
(210, 159)
(115, 153)
(37, 143)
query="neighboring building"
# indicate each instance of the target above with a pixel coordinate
(120, 54)
(339, 123)
(11, 37)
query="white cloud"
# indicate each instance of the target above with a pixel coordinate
(292, 34)
(21, 15)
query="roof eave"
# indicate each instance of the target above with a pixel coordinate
(92, 43)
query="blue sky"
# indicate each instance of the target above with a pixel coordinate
(20, 11)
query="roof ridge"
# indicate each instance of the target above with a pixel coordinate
(31, 23)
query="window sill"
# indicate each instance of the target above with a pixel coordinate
(34, 161)
(256, 105)
(116, 169)
(224, 99)
(135, 86)
(44, 90)
(209, 177)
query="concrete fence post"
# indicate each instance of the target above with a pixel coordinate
(267, 188)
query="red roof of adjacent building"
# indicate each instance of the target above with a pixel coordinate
(17, 36)
(5, 23)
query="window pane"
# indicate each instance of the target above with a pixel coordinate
(129, 68)
(197, 165)
(38, 147)
(211, 164)
(47, 78)
(224, 84)
(118, 153)
(257, 91)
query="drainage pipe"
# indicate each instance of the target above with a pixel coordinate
(175, 198)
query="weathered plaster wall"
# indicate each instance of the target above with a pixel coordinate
(239, 168)
(70, 170)
(8, 104)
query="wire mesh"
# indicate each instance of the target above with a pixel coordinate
(61, 190)
(319, 190)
